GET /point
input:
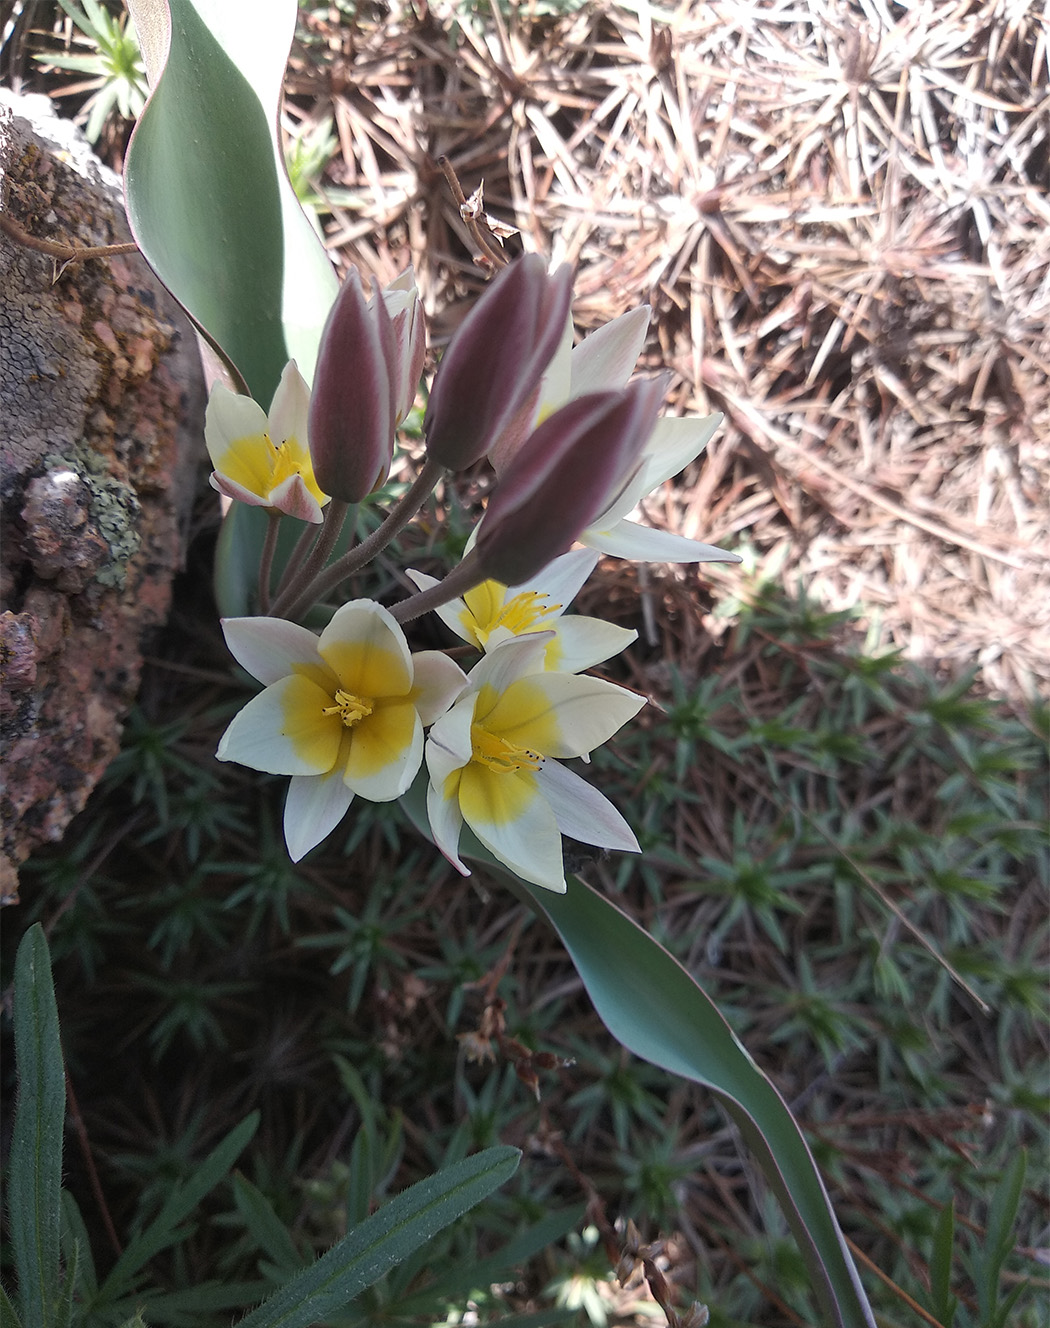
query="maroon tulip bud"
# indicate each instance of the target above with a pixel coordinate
(352, 408)
(566, 473)
(495, 361)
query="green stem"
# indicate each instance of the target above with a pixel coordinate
(461, 579)
(397, 519)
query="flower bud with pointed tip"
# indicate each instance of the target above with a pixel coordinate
(410, 338)
(571, 467)
(494, 363)
(352, 407)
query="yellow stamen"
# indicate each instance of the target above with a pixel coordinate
(498, 754)
(521, 614)
(349, 708)
(525, 612)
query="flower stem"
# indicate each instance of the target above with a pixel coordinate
(273, 526)
(310, 532)
(461, 579)
(307, 593)
(287, 601)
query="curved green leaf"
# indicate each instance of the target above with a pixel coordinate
(35, 1169)
(208, 199)
(388, 1236)
(654, 1007)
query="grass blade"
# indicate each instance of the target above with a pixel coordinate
(162, 1231)
(35, 1189)
(399, 1228)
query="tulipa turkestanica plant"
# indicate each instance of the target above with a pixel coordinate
(353, 703)
(343, 714)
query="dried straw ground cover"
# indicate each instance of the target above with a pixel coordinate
(839, 214)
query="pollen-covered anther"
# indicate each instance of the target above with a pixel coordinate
(525, 611)
(349, 708)
(499, 755)
(287, 459)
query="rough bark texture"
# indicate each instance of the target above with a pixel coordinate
(101, 400)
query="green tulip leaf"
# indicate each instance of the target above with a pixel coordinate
(655, 1009)
(209, 202)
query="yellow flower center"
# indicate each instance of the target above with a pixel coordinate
(259, 465)
(287, 459)
(520, 614)
(499, 755)
(350, 708)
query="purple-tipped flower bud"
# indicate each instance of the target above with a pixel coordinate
(565, 474)
(352, 408)
(410, 338)
(495, 361)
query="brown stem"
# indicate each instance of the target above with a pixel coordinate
(295, 561)
(300, 586)
(273, 526)
(479, 231)
(67, 252)
(290, 605)
(461, 579)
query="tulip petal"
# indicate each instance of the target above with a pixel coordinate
(554, 389)
(627, 539)
(604, 360)
(229, 419)
(270, 648)
(513, 659)
(367, 650)
(230, 489)
(385, 752)
(558, 714)
(293, 497)
(449, 747)
(314, 807)
(446, 820)
(562, 579)
(558, 483)
(509, 815)
(582, 812)
(454, 613)
(673, 443)
(581, 642)
(494, 363)
(290, 408)
(437, 682)
(285, 731)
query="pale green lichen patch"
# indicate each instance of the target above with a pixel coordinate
(114, 510)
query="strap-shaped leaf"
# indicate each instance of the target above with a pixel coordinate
(208, 199)
(654, 1008)
(35, 1171)
(373, 1246)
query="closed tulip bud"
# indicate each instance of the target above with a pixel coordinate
(352, 407)
(567, 472)
(495, 361)
(410, 339)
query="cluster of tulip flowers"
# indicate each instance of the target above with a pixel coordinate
(354, 712)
